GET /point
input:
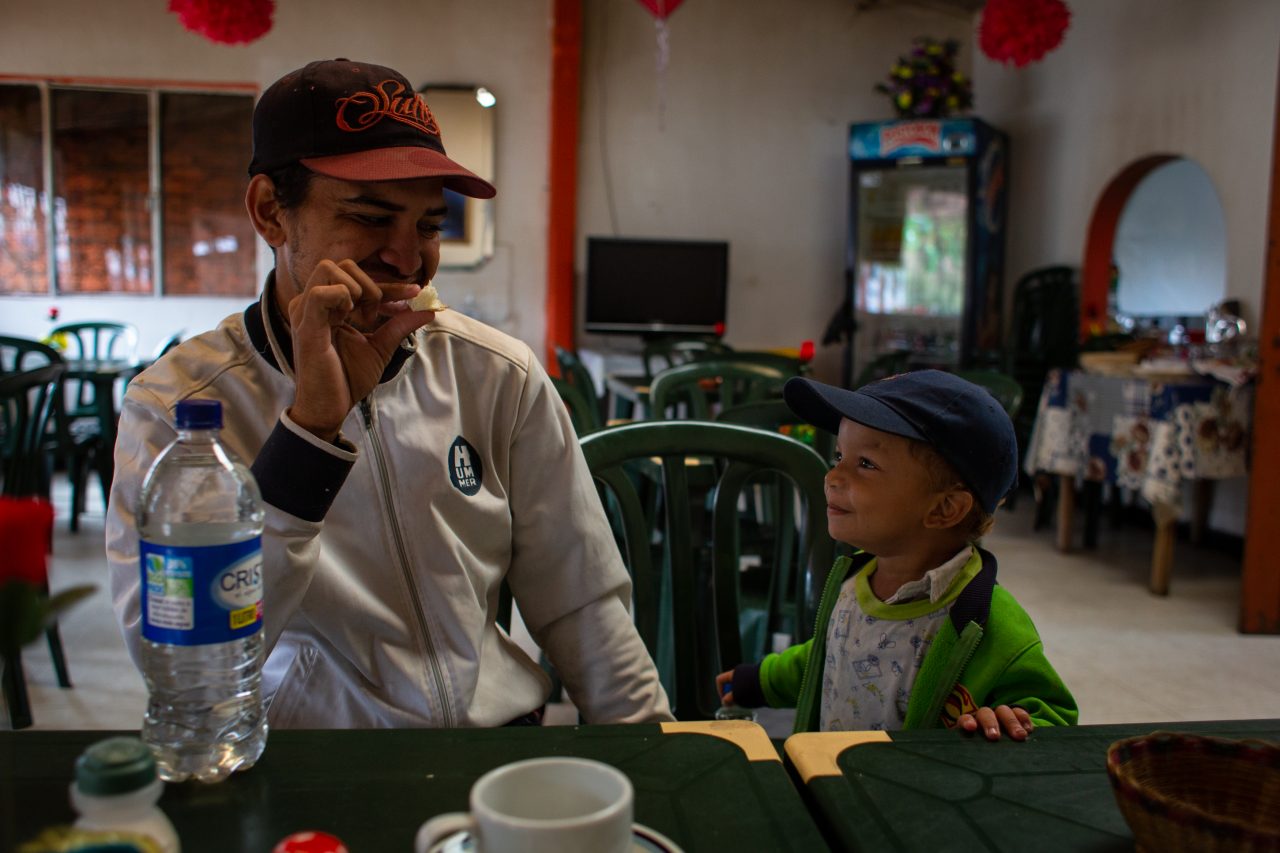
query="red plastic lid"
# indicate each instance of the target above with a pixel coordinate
(310, 842)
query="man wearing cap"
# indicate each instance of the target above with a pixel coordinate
(912, 630)
(411, 461)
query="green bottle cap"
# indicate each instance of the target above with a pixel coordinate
(115, 766)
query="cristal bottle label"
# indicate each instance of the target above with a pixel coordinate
(197, 595)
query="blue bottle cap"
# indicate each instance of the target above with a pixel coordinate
(199, 414)
(115, 766)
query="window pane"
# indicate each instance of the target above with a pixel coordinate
(24, 262)
(205, 147)
(102, 227)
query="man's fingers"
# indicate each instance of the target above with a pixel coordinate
(398, 327)
(327, 304)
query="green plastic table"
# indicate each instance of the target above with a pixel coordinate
(715, 786)
(938, 790)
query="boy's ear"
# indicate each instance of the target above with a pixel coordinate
(265, 212)
(949, 508)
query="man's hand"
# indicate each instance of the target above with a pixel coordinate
(1015, 722)
(339, 350)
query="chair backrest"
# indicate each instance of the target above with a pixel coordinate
(585, 417)
(19, 354)
(884, 365)
(1046, 319)
(698, 534)
(97, 341)
(167, 344)
(27, 400)
(1003, 387)
(573, 371)
(700, 383)
(792, 365)
(777, 416)
(668, 351)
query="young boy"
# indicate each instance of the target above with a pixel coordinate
(912, 630)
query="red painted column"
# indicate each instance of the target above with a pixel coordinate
(562, 198)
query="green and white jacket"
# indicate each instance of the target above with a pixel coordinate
(987, 653)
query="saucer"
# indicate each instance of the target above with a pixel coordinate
(643, 840)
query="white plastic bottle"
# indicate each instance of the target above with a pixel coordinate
(115, 793)
(200, 521)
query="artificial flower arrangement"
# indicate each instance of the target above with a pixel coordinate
(926, 84)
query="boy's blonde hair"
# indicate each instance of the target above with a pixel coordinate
(942, 476)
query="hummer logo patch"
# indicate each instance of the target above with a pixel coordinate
(465, 468)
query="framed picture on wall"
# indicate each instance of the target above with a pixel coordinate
(454, 227)
(466, 118)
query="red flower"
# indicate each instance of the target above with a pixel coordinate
(1022, 31)
(225, 21)
(25, 527)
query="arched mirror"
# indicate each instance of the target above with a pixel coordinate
(1170, 246)
(466, 118)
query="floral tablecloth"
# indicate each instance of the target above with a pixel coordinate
(1140, 433)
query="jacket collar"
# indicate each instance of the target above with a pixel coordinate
(269, 333)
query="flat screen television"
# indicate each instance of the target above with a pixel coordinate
(656, 287)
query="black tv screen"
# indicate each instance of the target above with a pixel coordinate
(642, 286)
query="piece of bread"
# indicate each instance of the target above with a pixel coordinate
(428, 300)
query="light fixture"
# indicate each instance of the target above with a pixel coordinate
(485, 98)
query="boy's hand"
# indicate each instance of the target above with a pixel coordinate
(721, 680)
(1015, 722)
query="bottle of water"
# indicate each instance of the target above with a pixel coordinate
(730, 711)
(200, 523)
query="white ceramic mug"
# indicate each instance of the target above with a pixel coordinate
(543, 805)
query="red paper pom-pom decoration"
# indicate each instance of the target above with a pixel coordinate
(225, 21)
(1022, 31)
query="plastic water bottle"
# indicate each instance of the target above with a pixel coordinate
(115, 794)
(200, 522)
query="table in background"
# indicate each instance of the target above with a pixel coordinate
(716, 786)
(104, 375)
(1151, 435)
(934, 790)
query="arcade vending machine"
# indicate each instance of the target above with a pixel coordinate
(925, 255)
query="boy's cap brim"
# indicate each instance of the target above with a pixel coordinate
(825, 405)
(397, 164)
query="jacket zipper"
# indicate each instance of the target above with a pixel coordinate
(818, 631)
(966, 646)
(366, 409)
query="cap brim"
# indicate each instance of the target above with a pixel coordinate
(825, 405)
(398, 164)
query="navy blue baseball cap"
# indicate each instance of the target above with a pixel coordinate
(960, 420)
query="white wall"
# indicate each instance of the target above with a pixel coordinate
(1134, 78)
(503, 45)
(752, 146)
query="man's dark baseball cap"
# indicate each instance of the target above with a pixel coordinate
(357, 122)
(959, 419)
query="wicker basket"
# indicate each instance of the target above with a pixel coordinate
(1187, 792)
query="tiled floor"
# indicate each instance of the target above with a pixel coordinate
(1127, 656)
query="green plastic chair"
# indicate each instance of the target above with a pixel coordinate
(26, 410)
(882, 366)
(700, 383)
(1003, 387)
(789, 364)
(79, 446)
(585, 416)
(777, 416)
(574, 372)
(662, 353)
(689, 618)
